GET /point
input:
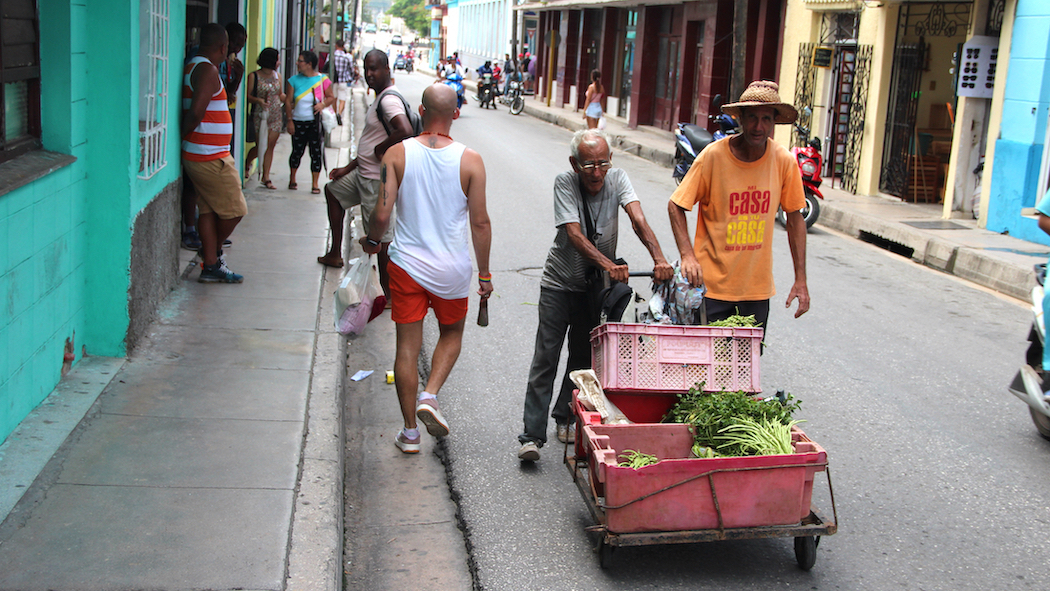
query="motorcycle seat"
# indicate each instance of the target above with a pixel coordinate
(698, 137)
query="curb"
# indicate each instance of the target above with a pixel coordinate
(963, 262)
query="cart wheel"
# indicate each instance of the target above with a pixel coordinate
(806, 551)
(605, 552)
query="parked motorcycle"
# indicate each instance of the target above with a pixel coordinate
(809, 164)
(487, 91)
(689, 140)
(1028, 384)
(455, 80)
(512, 98)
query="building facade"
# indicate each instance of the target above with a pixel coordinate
(90, 173)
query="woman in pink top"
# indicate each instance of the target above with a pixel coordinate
(595, 94)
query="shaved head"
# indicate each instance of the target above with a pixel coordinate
(439, 100)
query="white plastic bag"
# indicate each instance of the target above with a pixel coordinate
(328, 119)
(359, 297)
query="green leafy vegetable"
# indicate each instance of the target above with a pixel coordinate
(636, 459)
(710, 413)
(758, 438)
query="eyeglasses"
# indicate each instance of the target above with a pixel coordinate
(602, 165)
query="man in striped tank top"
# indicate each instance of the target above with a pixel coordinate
(439, 187)
(207, 129)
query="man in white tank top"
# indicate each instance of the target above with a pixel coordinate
(439, 187)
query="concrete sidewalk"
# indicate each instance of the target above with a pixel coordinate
(210, 458)
(916, 230)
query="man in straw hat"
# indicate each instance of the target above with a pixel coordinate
(739, 182)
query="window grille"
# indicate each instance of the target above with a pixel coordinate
(19, 79)
(153, 85)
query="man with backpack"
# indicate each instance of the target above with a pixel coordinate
(388, 121)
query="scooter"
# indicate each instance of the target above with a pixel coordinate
(1028, 384)
(809, 164)
(690, 139)
(455, 80)
(512, 98)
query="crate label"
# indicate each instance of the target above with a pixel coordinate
(684, 349)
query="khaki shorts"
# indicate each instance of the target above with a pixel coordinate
(342, 91)
(218, 186)
(353, 189)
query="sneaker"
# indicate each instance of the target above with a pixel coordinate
(427, 412)
(406, 445)
(529, 452)
(219, 273)
(191, 240)
(221, 259)
(567, 433)
(227, 242)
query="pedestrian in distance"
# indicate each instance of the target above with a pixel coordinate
(307, 94)
(358, 182)
(738, 183)
(438, 185)
(586, 207)
(207, 129)
(267, 100)
(343, 77)
(595, 97)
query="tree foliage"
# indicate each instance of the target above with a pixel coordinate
(414, 13)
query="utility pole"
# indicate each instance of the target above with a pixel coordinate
(736, 80)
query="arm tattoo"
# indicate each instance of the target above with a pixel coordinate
(382, 182)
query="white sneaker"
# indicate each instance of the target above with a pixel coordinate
(567, 433)
(529, 452)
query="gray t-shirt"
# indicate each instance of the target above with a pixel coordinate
(566, 269)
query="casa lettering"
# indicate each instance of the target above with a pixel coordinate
(745, 232)
(748, 202)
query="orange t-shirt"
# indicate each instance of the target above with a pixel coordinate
(738, 202)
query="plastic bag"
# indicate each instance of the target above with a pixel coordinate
(593, 397)
(676, 301)
(328, 119)
(359, 297)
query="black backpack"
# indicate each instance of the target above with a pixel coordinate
(414, 120)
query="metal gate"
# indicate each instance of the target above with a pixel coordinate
(805, 86)
(858, 107)
(908, 64)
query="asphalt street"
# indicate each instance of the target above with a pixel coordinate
(902, 374)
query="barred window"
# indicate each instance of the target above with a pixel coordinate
(154, 33)
(19, 78)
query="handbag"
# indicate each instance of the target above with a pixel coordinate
(359, 298)
(327, 116)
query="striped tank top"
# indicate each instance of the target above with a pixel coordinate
(211, 139)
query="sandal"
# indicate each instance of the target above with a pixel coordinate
(292, 186)
(315, 191)
(268, 184)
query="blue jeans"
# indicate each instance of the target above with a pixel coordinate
(559, 311)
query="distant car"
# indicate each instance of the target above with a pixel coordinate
(370, 28)
(395, 40)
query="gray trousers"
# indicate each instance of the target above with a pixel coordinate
(559, 311)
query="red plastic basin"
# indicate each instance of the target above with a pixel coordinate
(752, 491)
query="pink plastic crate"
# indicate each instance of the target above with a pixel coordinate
(670, 357)
(758, 491)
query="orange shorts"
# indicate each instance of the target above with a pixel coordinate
(410, 301)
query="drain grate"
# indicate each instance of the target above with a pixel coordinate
(894, 247)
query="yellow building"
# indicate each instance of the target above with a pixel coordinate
(886, 80)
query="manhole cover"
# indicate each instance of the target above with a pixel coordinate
(936, 225)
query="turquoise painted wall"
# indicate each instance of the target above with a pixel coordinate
(65, 238)
(1019, 148)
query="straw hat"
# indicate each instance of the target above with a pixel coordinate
(763, 93)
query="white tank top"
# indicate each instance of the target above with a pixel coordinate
(431, 234)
